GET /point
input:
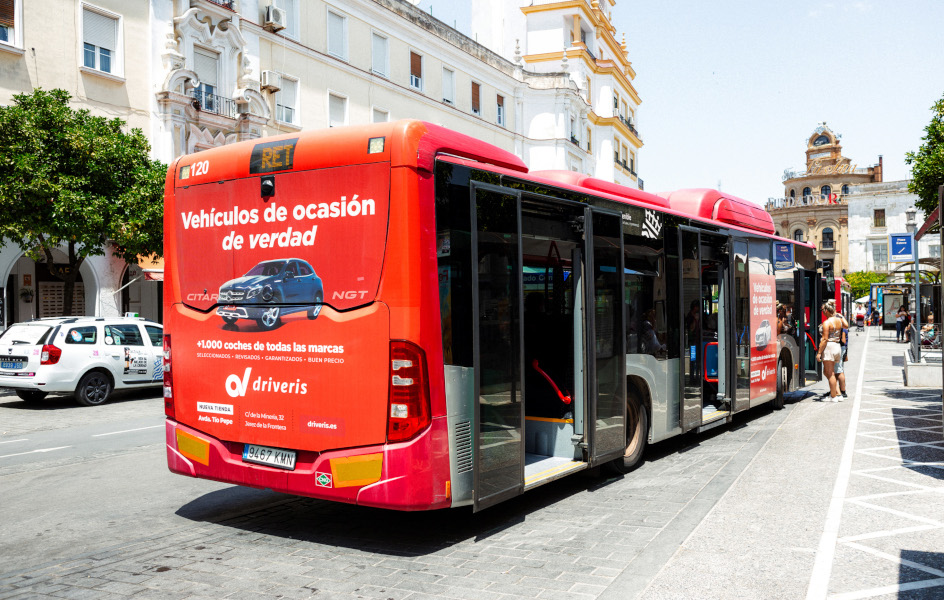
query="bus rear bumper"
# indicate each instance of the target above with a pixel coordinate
(412, 475)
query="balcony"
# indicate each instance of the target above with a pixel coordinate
(827, 245)
(574, 141)
(213, 103)
(821, 200)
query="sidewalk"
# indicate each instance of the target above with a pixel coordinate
(845, 501)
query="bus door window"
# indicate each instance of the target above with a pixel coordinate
(742, 326)
(645, 296)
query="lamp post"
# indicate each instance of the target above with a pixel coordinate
(912, 226)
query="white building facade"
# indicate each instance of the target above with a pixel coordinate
(550, 84)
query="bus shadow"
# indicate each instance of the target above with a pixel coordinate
(66, 401)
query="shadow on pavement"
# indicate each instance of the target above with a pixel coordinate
(62, 401)
(919, 430)
(923, 585)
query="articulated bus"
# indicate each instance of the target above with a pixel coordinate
(400, 316)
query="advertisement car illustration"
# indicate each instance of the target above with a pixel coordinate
(762, 335)
(271, 290)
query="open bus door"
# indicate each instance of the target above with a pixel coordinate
(808, 319)
(548, 340)
(707, 389)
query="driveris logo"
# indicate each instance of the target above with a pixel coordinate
(237, 387)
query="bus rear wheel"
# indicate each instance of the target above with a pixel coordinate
(637, 434)
(780, 399)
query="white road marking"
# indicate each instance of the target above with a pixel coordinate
(11, 441)
(35, 451)
(127, 430)
(822, 567)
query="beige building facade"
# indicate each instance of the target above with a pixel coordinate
(815, 204)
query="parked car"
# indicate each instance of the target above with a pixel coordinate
(87, 356)
(762, 335)
(270, 290)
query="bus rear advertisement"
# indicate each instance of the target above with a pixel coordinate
(400, 316)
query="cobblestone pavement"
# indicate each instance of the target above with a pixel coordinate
(745, 511)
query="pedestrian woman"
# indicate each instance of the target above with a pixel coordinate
(900, 322)
(829, 349)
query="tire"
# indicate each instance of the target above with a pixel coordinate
(270, 319)
(94, 388)
(780, 400)
(315, 310)
(31, 395)
(637, 434)
(230, 320)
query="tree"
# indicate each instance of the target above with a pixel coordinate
(861, 282)
(927, 164)
(74, 180)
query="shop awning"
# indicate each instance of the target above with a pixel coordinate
(930, 226)
(153, 274)
(152, 267)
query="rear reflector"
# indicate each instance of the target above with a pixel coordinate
(168, 381)
(351, 471)
(193, 447)
(408, 401)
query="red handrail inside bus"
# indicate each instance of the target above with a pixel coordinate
(566, 399)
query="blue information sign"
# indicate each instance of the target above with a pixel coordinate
(783, 256)
(901, 247)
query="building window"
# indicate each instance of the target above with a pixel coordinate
(337, 110)
(8, 9)
(880, 257)
(206, 65)
(807, 192)
(934, 251)
(589, 140)
(500, 107)
(878, 217)
(828, 242)
(793, 193)
(100, 41)
(825, 191)
(798, 235)
(632, 162)
(337, 35)
(589, 98)
(286, 99)
(616, 151)
(416, 71)
(615, 104)
(845, 189)
(291, 16)
(623, 156)
(380, 63)
(380, 116)
(449, 86)
(623, 112)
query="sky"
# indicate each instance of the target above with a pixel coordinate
(732, 89)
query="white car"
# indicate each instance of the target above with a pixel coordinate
(87, 356)
(762, 335)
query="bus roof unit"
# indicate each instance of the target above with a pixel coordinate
(599, 185)
(713, 205)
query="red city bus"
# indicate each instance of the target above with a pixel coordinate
(400, 316)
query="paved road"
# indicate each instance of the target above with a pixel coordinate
(746, 511)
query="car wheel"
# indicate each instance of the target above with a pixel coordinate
(637, 434)
(315, 310)
(94, 388)
(230, 320)
(31, 395)
(269, 318)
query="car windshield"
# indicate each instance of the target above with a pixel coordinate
(267, 268)
(25, 334)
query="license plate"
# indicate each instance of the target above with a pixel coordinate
(273, 457)
(11, 365)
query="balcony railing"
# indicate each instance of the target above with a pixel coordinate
(212, 103)
(820, 200)
(224, 3)
(827, 245)
(574, 141)
(797, 173)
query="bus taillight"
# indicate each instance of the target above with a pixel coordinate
(408, 400)
(168, 380)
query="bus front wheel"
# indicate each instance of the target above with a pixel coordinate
(637, 434)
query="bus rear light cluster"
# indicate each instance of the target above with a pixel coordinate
(51, 355)
(168, 381)
(408, 398)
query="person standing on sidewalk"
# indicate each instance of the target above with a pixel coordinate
(829, 349)
(900, 322)
(840, 366)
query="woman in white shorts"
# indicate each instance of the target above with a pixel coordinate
(829, 349)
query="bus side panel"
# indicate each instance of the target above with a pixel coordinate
(763, 319)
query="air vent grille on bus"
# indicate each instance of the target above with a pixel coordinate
(463, 437)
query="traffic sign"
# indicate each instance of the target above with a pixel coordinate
(901, 247)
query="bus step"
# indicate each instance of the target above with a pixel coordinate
(715, 419)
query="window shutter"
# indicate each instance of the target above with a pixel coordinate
(292, 24)
(6, 13)
(475, 97)
(416, 65)
(449, 86)
(99, 30)
(206, 67)
(501, 101)
(288, 93)
(335, 34)
(336, 106)
(379, 54)
(381, 116)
